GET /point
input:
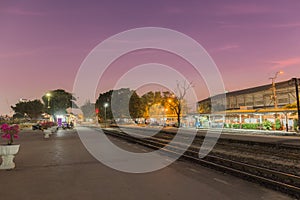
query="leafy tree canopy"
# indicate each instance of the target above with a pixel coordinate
(33, 109)
(122, 103)
(57, 101)
(126, 103)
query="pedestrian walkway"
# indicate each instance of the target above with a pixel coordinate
(61, 168)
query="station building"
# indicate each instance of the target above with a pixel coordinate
(255, 105)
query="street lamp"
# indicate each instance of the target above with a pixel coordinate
(274, 88)
(105, 106)
(48, 95)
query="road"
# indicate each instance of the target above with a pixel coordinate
(61, 168)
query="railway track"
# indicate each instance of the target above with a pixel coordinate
(271, 149)
(284, 182)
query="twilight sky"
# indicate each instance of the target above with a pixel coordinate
(43, 43)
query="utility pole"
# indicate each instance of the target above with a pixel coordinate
(274, 88)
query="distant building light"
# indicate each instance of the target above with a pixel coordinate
(59, 116)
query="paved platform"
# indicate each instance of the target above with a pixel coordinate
(61, 168)
(274, 137)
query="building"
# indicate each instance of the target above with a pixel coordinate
(253, 105)
(260, 97)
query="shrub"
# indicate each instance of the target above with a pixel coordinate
(235, 125)
(250, 126)
(267, 125)
(295, 125)
(47, 124)
(277, 124)
(227, 125)
(10, 133)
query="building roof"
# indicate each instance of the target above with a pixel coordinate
(253, 111)
(279, 85)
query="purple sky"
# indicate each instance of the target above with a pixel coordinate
(43, 43)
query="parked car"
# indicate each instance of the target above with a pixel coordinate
(37, 127)
(66, 125)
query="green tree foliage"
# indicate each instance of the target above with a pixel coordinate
(88, 110)
(125, 103)
(122, 103)
(32, 109)
(148, 101)
(103, 99)
(59, 101)
(176, 102)
(204, 108)
(135, 107)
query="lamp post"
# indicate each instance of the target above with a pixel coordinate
(105, 106)
(48, 95)
(296, 82)
(274, 88)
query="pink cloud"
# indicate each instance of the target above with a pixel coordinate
(15, 54)
(239, 9)
(20, 11)
(287, 25)
(286, 62)
(226, 48)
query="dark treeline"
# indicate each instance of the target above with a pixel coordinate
(126, 103)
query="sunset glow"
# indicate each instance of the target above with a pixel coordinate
(43, 43)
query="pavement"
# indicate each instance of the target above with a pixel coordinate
(259, 136)
(61, 168)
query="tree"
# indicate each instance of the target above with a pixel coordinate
(135, 106)
(204, 107)
(88, 110)
(103, 99)
(149, 100)
(58, 101)
(122, 103)
(33, 109)
(175, 101)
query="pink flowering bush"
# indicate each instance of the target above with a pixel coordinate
(10, 133)
(47, 124)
